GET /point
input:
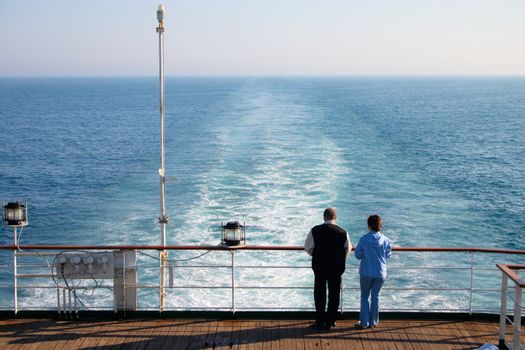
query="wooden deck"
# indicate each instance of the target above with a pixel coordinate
(178, 334)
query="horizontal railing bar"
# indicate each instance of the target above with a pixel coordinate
(242, 266)
(54, 308)
(427, 268)
(261, 247)
(425, 310)
(34, 254)
(304, 267)
(191, 308)
(271, 267)
(34, 275)
(63, 287)
(191, 266)
(192, 287)
(243, 287)
(236, 308)
(276, 308)
(486, 290)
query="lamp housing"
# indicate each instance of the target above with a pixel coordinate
(233, 234)
(14, 214)
(161, 11)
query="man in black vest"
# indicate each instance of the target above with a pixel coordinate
(328, 244)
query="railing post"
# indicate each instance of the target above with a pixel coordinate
(516, 331)
(503, 311)
(15, 282)
(124, 282)
(233, 280)
(58, 303)
(471, 281)
(341, 297)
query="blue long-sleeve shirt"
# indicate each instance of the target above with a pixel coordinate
(373, 249)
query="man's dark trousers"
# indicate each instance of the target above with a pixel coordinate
(334, 292)
(328, 263)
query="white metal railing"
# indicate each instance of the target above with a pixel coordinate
(462, 268)
(510, 272)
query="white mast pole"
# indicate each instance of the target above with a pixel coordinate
(163, 217)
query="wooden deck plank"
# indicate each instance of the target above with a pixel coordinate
(258, 338)
(177, 336)
(11, 330)
(72, 336)
(457, 338)
(46, 335)
(350, 338)
(200, 334)
(248, 332)
(434, 333)
(130, 339)
(234, 337)
(159, 334)
(189, 334)
(223, 335)
(400, 336)
(141, 334)
(312, 340)
(91, 336)
(431, 333)
(242, 335)
(287, 334)
(209, 342)
(417, 339)
(125, 329)
(482, 335)
(336, 334)
(384, 330)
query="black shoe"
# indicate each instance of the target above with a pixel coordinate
(330, 324)
(317, 326)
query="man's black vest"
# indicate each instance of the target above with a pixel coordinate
(329, 249)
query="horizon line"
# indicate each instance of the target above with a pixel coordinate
(264, 75)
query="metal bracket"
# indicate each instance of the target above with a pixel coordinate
(163, 219)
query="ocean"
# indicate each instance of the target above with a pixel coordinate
(440, 159)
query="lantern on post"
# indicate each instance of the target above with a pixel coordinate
(233, 234)
(14, 214)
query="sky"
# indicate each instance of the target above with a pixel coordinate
(263, 37)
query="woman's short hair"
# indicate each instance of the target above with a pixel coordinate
(375, 223)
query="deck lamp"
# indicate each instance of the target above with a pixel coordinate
(233, 234)
(14, 214)
(161, 11)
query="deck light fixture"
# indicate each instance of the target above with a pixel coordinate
(233, 234)
(161, 11)
(14, 214)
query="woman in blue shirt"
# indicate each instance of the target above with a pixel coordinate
(372, 250)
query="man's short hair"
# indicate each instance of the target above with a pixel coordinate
(375, 223)
(329, 214)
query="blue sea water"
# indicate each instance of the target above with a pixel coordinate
(441, 159)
